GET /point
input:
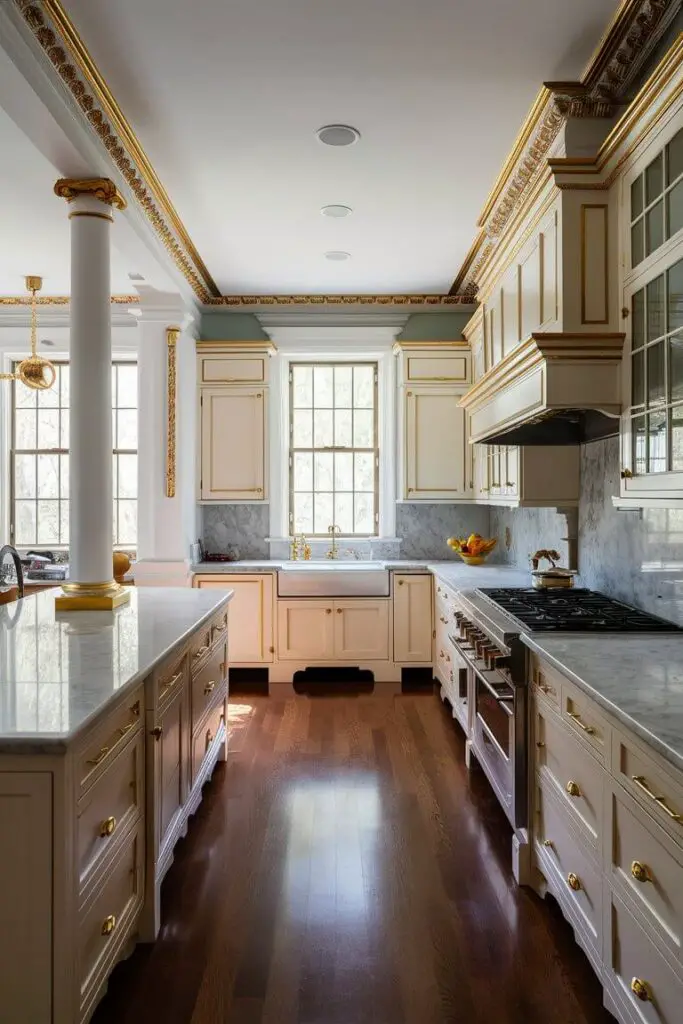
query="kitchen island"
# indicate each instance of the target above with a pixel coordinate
(110, 724)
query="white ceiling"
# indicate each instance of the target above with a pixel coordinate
(225, 99)
(34, 229)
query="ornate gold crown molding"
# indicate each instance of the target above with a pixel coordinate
(64, 47)
(103, 189)
(340, 300)
(629, 39)
(62, 300)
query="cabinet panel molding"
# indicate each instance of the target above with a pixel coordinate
(594, 263)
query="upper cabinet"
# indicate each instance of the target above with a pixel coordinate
(535, 476)
(435, 458)
(233, 414)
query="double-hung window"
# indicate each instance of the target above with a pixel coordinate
(39, 510)
(334, 455)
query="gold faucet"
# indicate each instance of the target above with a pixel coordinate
(334, 531)
(304, 548)
(294, 550)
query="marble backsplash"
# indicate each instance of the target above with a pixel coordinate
(423, 528)
(635, 557)
(237, 530)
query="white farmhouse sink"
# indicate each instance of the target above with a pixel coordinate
(332, 579)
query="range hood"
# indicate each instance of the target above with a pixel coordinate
(552, 389)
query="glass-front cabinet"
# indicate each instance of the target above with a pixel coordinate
(652, 421)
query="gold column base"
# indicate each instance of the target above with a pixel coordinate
(91, 597)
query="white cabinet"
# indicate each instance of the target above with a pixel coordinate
(535, 476)
(251, 615)
(353, 630)
(412, 618)
(436, 453)
(233, 436)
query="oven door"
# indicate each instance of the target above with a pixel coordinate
(463, 687)
(493, 740)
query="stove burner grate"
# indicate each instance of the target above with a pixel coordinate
(575, 610)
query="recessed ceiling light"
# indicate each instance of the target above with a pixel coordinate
(336, 211)
(336, 255)
(338, 135)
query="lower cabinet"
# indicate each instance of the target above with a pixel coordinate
(412, 618)
(333, 630)
(251, 614)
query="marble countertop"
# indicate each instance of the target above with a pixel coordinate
(59, 672)
(637, 678)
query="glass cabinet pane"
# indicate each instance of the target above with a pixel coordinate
(674, 158)
(638, 319)
(674, 210)
(637, 247)
(656, 391)
(638, 378)
(676, 416)
(656, 450)
(654, 180)
(676, 368)
(639, 438)
(675, 297)
(654, 227)
(637, 197)
(655, 308)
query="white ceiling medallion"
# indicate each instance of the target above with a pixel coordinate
(338, 135)
(337, 256)
(335, 210)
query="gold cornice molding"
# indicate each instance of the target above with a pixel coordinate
(103, 189)
(81, 76)
(238, 346)
(62, 300)
(341, 300)
(450, 345)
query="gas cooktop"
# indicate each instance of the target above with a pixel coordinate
(574, 610)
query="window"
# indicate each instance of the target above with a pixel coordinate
(657, 201)
(657, 373)
(39, 514)
(334, 456)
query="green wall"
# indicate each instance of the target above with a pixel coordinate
(230, 327)
(221, 326)
(435, 326)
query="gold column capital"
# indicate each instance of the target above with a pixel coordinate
(172, 335)
(103, 189)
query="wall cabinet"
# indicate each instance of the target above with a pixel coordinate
(412, 618)
(531, 477)
(353, 630)
(251, 614)
(436, 453)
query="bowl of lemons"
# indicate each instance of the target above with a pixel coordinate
(475, 549)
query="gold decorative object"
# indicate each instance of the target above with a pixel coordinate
(172, 334)
(103, 189)
(640, 872)
(434, 299)
(107, 827)
(108, 924)
(574, 882)
(35, 372)
(91, 597)
(641, 990)
(474, 550)
(62, 300)
(121, 565)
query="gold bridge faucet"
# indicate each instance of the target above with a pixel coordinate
(334, 531)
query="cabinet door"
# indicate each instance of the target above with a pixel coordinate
(435, 444)
(233, 444)
(361, 630)
(480, 460)
(250, 616)
(26, 896)
(305, 630)
(510, 470)
(169, 740)
(412, 618)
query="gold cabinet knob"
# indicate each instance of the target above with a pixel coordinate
(339, 611)
(401, 582)
(108, 925)
(641, 990)
(328, 611)
(626, 474)
(209, 688)
(107, 827)
(572, 788)
(549, 843)
(574, 882)
(640, 872)
(540, 744)
(156, 732)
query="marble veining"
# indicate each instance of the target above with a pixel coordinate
(424, 528)
(638, 679)
(521, 531)
(58, 672)
(238, 530)
(472, 577)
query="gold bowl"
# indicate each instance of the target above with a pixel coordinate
(472, 559)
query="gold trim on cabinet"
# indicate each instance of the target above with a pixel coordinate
(584, 259)
(172, 334)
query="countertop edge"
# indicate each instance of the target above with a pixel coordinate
(59, 743)
(658, 745)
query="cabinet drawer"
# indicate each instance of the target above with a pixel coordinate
(578, 779)
(168, 680)
(109, 806)
(207, 682)
(579, 713)
(219, 627)
(568, 866)
(650, 866)
(434, 368)
(205, 736)
(639, 972)
(105, 741)
(107, 917)
(200, 645)
(650, 785)
(233, 369)
(546, 682)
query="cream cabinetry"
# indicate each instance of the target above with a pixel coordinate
(251, 614)
(88, 828)
(233, 421)
(607, 836)
(353, 630)
(412, 618)
(435, 459)
(529, 477)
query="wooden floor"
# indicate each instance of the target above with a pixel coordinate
(345, 868)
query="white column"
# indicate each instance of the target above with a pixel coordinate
(90, 211)
(167, 525)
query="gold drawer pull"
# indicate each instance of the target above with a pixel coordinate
(125, 729)
(94, 761)
(640, 871)
(107, 827)
(641, 782)
(209, 738)
(200, 652)
(157, 732)
(582, 725)
(549, 843)
(209, 688)
(108, 925)
(217, 631)
(574, 882)
(170, 684)
(572, 788)
(540, 744)
(641, 990)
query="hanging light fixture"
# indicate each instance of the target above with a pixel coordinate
(35, 372)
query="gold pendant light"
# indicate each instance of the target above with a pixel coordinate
(35, 372)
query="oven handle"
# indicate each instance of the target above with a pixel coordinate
(503, 702)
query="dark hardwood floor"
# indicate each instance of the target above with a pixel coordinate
(344, 868)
